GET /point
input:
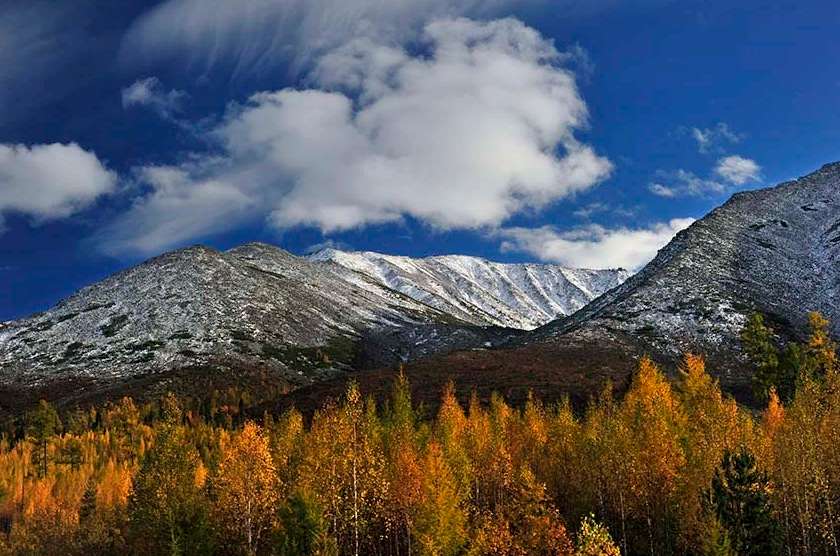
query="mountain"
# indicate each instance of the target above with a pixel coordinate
(476, 290)
(260, 308)
(775, 251)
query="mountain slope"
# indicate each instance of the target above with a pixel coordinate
(259, 307)
(775, 251)
(195, 305)
(475, 290)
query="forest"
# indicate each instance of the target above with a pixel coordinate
(671, 466)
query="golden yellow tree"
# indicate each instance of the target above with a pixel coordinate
(246, 488)
(441, 521)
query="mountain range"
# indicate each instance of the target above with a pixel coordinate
(310, 321)
(302, 319)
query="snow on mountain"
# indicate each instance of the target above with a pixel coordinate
(476, 290)
(775, 251)
(194, 306)
(258, 305)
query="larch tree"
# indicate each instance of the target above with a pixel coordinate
(593, 539)
(441, 527)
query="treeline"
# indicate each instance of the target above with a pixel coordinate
(673, 467)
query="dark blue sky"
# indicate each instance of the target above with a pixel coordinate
(130, 130)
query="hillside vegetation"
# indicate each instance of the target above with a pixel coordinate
(673, 467)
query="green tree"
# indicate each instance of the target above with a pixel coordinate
(167, 509)
(740, 500)
(757, 342)
(305, 530)
(42, 426)
(715, 539)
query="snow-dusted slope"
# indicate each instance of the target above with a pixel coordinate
(196, 306)
(775, 251)
(474, 289)
(257, 304)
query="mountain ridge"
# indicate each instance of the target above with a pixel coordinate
(517, 295)
(254, 306)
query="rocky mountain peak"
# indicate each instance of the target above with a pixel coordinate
(775, 251)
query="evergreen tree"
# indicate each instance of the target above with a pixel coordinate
(42, 426)
(305, 530)
(88, 507)
(756, 339)
(740, 500)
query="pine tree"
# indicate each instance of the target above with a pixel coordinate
(740, 500)
(756, 339)
(305, 530)
(88, 507)
(42, 426)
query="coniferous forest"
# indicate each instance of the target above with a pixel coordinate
(671, 466)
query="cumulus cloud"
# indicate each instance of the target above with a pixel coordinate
(738, 170)
(683, 183)
(149, 92)
(477, 130)
(715, 138)
(593, 246)
(48, 182)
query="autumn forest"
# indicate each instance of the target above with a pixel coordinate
(671, 466)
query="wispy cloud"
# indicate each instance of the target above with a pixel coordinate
(256, 36)
(328, 244)
(591, 210)
(49, 182)
(588, 211)
(593, 246)
(35, 38)
(715, 138)
(475, 131)
(682, 183)
(149, 92)
(738, 170)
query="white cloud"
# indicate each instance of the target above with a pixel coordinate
(683, 183)
(479, 129)
(48, 182)
(328, 244)
(714, 138)
(149, 92)
(591, 209)
(738, 170)
(255, 36)
(180, 208)
(662, 190)
(593, 246)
